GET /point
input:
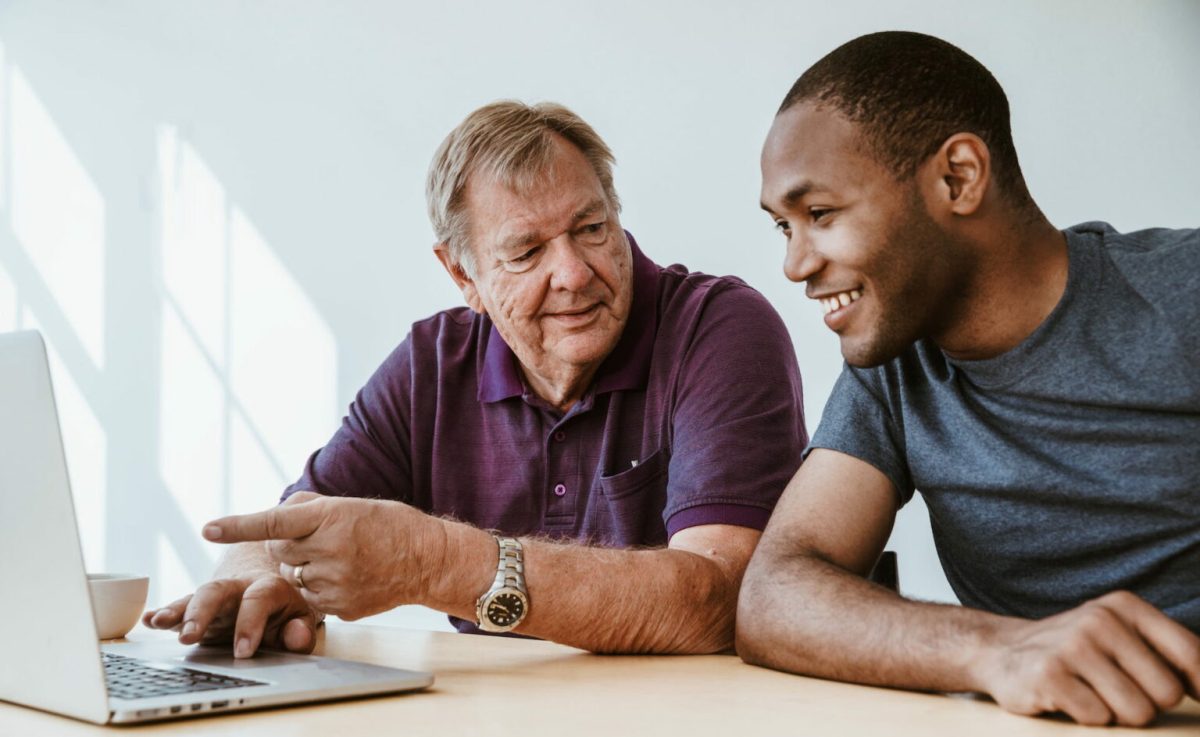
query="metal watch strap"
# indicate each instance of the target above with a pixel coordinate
(511, 569)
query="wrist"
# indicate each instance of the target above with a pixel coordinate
(462, 569)
(985, 654)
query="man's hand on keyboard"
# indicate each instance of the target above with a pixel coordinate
(253, 611)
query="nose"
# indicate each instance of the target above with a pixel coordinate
(569, 270)
(802, 259)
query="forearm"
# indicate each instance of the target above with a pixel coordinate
(808, 616)
(599, 599)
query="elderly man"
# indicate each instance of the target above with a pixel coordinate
(587, 454)
(1039, 387)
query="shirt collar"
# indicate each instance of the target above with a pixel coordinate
(627, 367)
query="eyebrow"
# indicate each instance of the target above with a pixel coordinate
(795, 194)
(589, 209)
(522, 240)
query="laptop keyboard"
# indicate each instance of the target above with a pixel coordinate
(130, 678)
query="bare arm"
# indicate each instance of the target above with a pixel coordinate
(805, 607)
(808, 576)
(680, 599)
(363, 556)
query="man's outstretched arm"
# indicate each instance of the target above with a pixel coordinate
(363, 556)
(805, 607)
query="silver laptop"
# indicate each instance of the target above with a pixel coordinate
(52, 657)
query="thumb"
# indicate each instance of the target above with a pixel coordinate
(299, 634)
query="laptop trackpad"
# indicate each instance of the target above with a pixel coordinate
(221, 657)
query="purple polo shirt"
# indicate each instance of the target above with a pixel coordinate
(695, 418)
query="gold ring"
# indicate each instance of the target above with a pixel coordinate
(298, 573)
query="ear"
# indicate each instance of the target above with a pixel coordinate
(465, 283)
(962, 168)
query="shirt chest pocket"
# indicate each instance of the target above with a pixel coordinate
(633, 502)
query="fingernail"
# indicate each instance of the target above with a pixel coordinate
(189, 628)
(242, 649)
(212, 532)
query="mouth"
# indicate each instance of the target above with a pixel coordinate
(576, 317)
(835, 302)
(838, 307)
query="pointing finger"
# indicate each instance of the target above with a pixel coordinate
(279, 523)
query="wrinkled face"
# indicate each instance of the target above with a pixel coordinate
(553, 267)
(882, 270)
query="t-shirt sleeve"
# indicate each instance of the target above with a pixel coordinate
(738, 421)
(859, 422)
(368, 456)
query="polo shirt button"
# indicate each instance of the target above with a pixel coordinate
(560, 490)
(560, 436)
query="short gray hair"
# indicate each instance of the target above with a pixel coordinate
(512, 143)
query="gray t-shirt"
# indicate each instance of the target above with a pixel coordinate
(1068, 466)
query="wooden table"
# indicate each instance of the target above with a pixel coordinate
(500, 686)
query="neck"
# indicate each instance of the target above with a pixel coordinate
(1019, 277)
(561, 388)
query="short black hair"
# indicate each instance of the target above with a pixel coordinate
(909, 92)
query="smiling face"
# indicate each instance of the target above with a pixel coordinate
(553, 269)
(882, 269)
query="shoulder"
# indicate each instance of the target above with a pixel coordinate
(1160, 265)
(1151, 244)
(677, 283)
(1156, 260)
(909, 382)
(454, 324)
(868, 413)
(714, 302)
(717, 331)
(452, 335)
(438, 344)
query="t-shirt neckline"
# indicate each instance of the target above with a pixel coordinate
(1038, 346)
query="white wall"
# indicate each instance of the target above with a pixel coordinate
(214, 210)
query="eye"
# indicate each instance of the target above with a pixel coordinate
(523, 262)
(817, 213)
(593, 233)
(783, 227)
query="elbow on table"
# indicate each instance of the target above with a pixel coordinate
(700, 621)
(698, 643)
(659, 640)
(751, 636)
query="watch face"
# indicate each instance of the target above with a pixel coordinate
(505, 608)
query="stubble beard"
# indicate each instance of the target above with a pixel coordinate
(919, 281)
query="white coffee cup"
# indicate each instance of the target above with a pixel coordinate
(117, 601)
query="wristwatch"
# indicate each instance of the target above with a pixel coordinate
(505, 604)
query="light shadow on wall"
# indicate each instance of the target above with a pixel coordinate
(53, 280)
(248, 364)
(241, 379)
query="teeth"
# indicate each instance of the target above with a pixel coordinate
(837, 301)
